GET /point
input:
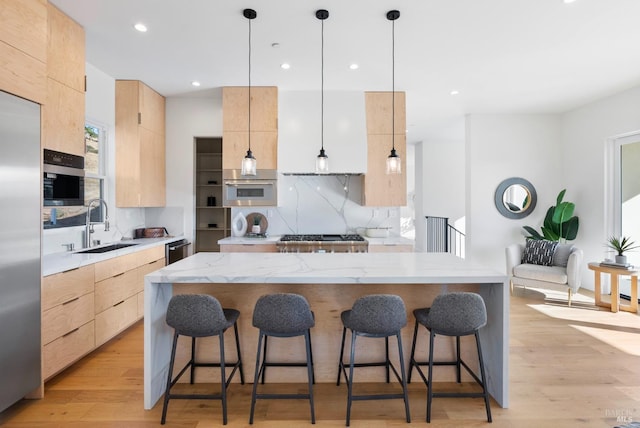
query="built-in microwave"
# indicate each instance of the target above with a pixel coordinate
(63, 179)
(255, 190)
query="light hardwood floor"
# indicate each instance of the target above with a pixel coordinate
(573, 366)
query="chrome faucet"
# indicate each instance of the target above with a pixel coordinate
(89, 224)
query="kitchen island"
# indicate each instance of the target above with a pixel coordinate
(331, 282)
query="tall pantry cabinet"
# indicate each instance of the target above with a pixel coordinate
(140, 145)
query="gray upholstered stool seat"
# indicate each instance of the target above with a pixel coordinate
(282, 315)
(452, 314)
(374, 316)
(199, 315)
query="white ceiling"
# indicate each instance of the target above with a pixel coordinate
(504, 56)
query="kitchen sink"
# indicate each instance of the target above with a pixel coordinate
(105, 249)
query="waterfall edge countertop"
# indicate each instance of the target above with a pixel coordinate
(331, 281)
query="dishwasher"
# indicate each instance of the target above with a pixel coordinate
(176, 250)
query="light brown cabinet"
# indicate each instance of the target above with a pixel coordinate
(84, 308)
(380, 189)
(140, 145)
(67, 318)
(23, 48)
(264, 126)
(249, 248)
(63, 113)
(119, 284)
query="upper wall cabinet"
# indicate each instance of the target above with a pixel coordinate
(63, 113)
(380, 189)
(140, 145)
(23, 48)
(264, 126)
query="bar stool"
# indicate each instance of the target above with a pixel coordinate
(376, 316)
(200, 315)
(452, 314)
(282, 315)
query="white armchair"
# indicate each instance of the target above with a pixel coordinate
(554, 276)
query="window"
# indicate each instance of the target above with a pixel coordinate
(94, 183)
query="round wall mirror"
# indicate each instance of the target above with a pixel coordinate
(515, 198)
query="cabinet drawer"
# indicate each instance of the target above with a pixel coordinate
(115, 266)
(150, 255)
(66, 317)
(67, 349)
(116, 289)
(116, 319)
(148, 268)
(65, 286)
(141, 305)
(248, 248)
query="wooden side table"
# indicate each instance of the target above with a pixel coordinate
(615, 289)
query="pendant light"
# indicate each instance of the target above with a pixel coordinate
(394, 163)
(322, 161)
(249, 162)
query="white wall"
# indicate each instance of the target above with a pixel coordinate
(584, 133)
(188, 118)
(503, 146)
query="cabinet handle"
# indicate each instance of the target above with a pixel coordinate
(119, 303)
(139, 118)
(117, 275)
(70, 270)
(72, 300)
(71, 332)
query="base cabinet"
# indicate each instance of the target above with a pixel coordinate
(84, 308)
(248, 248)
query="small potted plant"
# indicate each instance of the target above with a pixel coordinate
(255, 228)
(621, 245)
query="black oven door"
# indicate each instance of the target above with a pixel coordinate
(176, 250)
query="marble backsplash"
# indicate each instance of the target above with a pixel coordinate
(310, 204)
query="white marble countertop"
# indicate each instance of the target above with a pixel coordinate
(60, 262)
(390, 240)
(325, 268)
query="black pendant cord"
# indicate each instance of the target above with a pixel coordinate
(249, 124)
(393, 85)
(322, 90)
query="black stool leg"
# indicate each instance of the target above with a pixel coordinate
(350, 379)
(223, 380)
(387, 362)
(430, 375)
(340, 362)
(264, 358)
(404, 378)
(307, 339)
(313, 371)
(167, 391)
(193, 360)
(458, 377)
(256, 377)
(235, 330)
(483, 378)
(412, 360)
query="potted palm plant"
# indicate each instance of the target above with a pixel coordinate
(620, 246)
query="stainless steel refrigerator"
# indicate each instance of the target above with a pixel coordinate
(20, 249)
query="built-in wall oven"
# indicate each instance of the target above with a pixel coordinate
(255, 190)
(63, 179)
(176, 250)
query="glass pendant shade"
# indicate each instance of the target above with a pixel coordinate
(249, 164)
(394, 163)
(322, 163)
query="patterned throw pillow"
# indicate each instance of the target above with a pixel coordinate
(539, 252)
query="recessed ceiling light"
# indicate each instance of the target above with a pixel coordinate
(569, 1)
(354, 66)
(285, 66)
(195, 83)
(454, 92)
(140, 27)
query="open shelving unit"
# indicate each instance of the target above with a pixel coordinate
(212, 221)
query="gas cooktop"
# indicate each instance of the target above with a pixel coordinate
(322, 238)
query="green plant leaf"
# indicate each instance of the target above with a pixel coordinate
(570, 228)
(533, 234)
(560, 197)
(563, 212)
